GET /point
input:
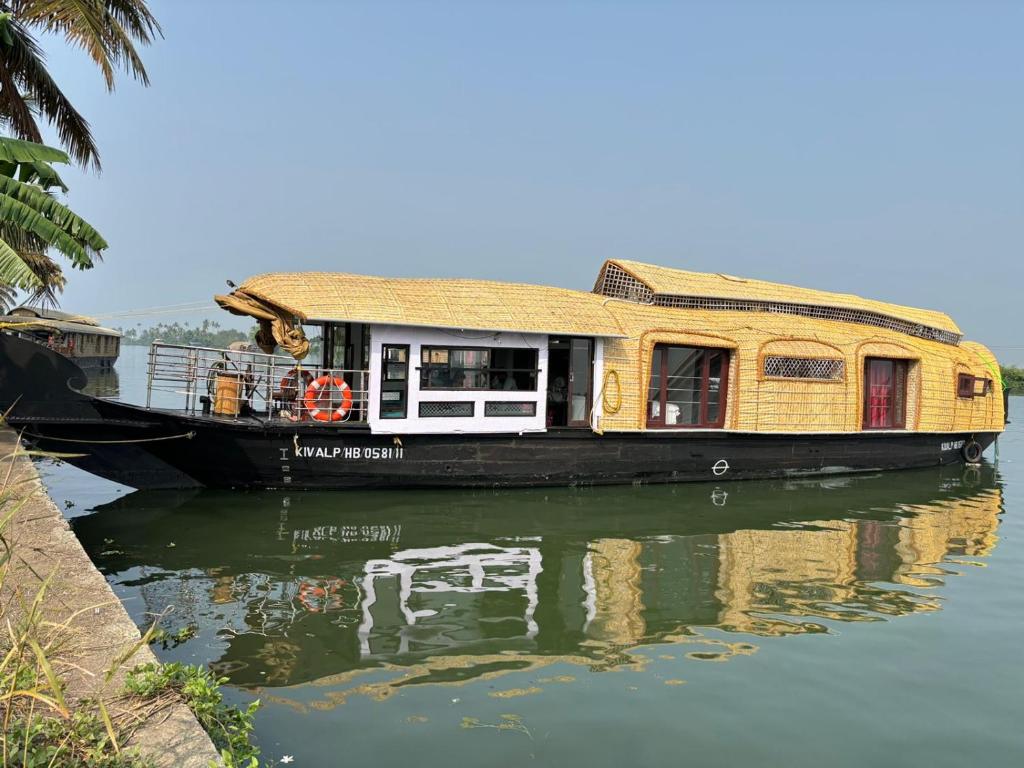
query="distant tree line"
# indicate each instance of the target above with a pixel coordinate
(207, 334)
(1013, 379)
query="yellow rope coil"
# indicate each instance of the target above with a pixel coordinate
(609, 376)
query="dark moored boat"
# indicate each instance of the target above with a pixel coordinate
(81, 339)
(657, 375)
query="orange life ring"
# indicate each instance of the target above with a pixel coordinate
(290, 383)
(313, 395)
(318, 595)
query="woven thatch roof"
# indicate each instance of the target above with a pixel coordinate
(438, 303)
(666, 282)
(52, 314)
(31, 323)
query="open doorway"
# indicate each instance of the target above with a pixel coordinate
(570, 381)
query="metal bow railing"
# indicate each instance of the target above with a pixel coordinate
(242, 381)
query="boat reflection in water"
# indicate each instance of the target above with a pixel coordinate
(103, 383)
(445, 587)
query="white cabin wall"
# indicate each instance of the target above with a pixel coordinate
(416, 338)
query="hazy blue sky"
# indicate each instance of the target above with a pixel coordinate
(876, 148)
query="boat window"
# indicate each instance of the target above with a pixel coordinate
(478, 368)
(394, 381)
(687, 387)
(969, 386)
(816, 369)
(885, 393)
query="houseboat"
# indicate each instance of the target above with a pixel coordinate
(79, 338)
(656, 375)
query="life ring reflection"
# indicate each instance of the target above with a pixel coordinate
(720, 467)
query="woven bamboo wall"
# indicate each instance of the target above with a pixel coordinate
(760, 403)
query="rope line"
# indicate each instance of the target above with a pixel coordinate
(186, 435)
(610, 376)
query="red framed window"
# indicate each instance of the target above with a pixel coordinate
(885, 393)
(688, 387)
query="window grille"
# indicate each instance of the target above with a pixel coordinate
(437, 410)
(818, 312)
(804, 368)
(506, 408)
(617, 283)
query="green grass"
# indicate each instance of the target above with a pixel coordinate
(230, 728)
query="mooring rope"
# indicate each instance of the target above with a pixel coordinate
(186, 435)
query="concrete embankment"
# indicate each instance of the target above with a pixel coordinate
(102, 632)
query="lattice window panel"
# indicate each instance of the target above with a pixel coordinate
(617, 283)
(861, 316)
(804, 368)
(506, 408)
(430, 410)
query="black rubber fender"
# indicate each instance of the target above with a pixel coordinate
(971, 452)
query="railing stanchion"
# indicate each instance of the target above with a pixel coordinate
(271, 378)
(190, 377)
(149, 375)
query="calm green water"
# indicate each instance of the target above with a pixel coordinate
(854, 621)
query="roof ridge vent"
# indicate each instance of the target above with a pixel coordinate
(615, 282)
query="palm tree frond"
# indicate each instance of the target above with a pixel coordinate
(60, 215)
(7, 297)
(17, 213)
(18, 151)
(50, 275)
(23, 77)
(13, 105)
(32, 221)
(41, 174)
(15, 271)
(32, 251)
(107, 30)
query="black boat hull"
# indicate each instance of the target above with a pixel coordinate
(169, 450)
(151, 449)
